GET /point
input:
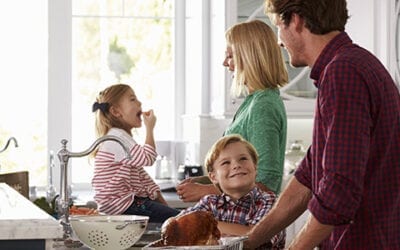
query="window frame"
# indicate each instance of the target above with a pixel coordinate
(60, 78)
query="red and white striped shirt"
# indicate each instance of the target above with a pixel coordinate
(117, 180)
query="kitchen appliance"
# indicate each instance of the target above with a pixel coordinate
(186, 171)
(293, 157)
(163, 168)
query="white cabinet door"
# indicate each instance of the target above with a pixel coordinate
(395, 46)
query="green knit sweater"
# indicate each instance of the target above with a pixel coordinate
(261, 120)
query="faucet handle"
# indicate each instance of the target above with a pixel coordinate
(64, 143)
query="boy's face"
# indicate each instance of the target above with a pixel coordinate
(234, 169)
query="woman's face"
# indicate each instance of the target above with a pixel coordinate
(228, 62)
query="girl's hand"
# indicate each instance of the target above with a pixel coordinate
(149, 119)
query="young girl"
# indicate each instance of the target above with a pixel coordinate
(232, 164)
(121, 185)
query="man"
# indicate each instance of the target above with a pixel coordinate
(350, 177)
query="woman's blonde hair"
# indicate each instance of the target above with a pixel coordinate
(221, 144)
(104, 101)
(257, 57)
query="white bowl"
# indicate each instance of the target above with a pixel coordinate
(105, 232)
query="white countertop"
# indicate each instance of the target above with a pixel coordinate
(21, 219)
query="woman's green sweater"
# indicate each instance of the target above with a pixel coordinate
(261, 120)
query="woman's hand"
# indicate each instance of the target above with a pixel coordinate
(190, 191)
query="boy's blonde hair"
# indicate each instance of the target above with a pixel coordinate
(257, 57)
(221, 144)
(104, 101)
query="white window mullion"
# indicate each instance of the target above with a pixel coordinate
(180, 50)
(59, 77)
(206, 57)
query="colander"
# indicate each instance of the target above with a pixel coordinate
(105, 232)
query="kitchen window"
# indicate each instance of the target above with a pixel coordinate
(121, 41)
(57, 55)
(23, 95)
(159, 43)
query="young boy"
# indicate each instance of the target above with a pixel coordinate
(231, 164)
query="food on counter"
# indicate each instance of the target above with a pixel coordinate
(50, 207)
(74, 210)
(191, 229)
(44, 205)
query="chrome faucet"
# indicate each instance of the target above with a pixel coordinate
(64, 155)
(8, 143)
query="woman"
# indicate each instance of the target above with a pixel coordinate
(255, 58)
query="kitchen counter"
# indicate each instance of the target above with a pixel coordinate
(167, 188)
(173, 200)
(22, 222)
(23, 225)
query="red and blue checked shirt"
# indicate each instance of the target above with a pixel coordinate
(117, 180)
(353, 164)
(248, 210)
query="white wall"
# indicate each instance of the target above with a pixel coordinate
(360, 25)
(370, 26)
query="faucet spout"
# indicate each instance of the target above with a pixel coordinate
(64, 155)
(8, 143)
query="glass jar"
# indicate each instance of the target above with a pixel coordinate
(293, 157)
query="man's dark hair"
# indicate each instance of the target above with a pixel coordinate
(320, 16)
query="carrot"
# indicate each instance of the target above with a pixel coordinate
(73, 210)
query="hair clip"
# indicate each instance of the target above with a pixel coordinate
(102, 106)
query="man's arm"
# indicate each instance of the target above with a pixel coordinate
(290, 205)
(235, 229)
(311, 234)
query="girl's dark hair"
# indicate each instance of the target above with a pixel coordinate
(320, 16)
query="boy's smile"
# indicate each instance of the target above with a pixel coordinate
(237, 174)
(234, 170)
